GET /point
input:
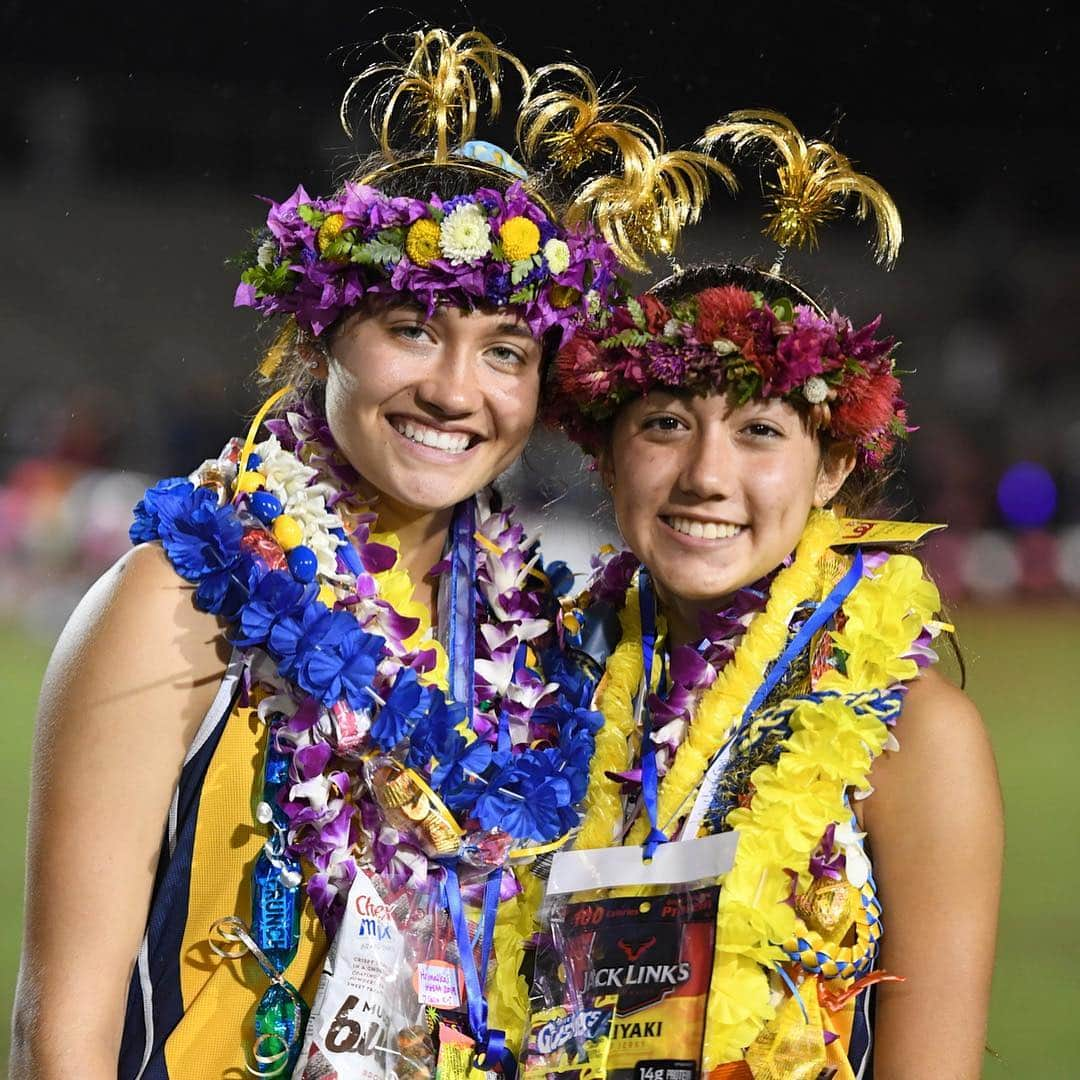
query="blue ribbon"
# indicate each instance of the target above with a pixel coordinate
(793, 988)
(647, 601)
(490, 1044)
(825, 611)
(459, 616)
(650, 780)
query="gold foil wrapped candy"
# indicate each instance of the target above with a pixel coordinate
(791, 1046)
(826, 907)
(412, 807)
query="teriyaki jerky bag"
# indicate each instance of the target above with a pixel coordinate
(621, 982)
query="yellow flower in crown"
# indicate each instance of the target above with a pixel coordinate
(422, 242)
(520, 239)
(329, 231)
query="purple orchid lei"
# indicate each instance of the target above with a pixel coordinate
(342, 683)
(320, 257)
(692, 669)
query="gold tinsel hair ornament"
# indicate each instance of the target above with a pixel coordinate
(495, 246)
(814, 183)
(643, 203)
(635, 191)
(711, 322)
(438, 90)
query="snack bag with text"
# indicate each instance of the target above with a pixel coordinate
(621, 982)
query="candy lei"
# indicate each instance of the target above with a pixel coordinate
(835, 734)
(344, 669)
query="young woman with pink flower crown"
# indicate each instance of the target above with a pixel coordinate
(323, 686)
(768, 651)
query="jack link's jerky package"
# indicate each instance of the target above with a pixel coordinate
(622, 980)
(366, 1023)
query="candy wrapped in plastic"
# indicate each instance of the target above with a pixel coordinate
(570, 1043)
(622, 977)
(366, 1023)
(392, 998)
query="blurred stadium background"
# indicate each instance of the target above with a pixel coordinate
(130, 147)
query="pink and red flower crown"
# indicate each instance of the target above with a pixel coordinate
(320, 257)
(732, 340)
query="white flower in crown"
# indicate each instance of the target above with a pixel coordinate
(672, 328)
(267, 254)
(557, 254)
(815, 390)
(465, 235)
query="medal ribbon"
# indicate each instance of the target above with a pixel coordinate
(459, 605)
(490, 1044)
(650, 780)
(458, 616)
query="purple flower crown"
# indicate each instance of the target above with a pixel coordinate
(322, 256)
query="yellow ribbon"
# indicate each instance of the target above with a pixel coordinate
(253, 430)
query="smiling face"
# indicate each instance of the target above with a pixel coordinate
(430, 411)
(712, 496)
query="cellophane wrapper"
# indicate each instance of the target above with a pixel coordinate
(621, 984)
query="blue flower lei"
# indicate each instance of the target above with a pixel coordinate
(516, 762)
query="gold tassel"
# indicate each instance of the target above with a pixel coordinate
(813, 182)
(438, 89)
(651, 193)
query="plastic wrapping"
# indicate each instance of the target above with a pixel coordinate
(392, 1001)
(621, 982)
(366, 1021)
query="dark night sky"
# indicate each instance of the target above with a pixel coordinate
(977, 95)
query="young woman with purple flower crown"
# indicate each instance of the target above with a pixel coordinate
(325, 673)
(771, 656)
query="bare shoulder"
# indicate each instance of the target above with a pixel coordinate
(939, 716)
(944, 747)
(937, 831)
(940, 721)
(131, 678)
(136, 630)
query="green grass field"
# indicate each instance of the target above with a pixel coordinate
(1024, 673)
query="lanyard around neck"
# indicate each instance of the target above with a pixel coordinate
(647, 601)
(650, 781)
(457, 606)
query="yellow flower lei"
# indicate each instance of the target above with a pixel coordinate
(831, 749)
(720, 707)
